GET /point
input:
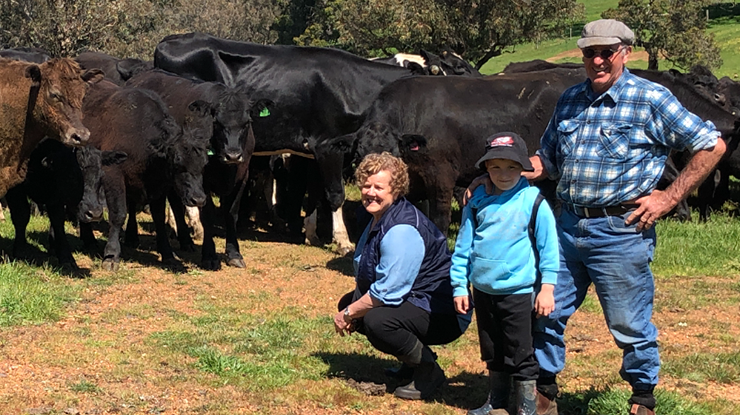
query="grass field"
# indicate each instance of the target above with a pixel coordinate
(260, 340)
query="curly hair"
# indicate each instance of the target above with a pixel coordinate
(374, 163)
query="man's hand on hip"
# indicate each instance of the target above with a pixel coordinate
(650, 208)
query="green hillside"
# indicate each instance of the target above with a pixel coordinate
(726, 30)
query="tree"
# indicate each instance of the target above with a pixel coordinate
(674, 29)
(478, 29)
(130, 28)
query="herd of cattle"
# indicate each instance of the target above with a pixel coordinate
(206, 113)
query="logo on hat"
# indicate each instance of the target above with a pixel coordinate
(505, 140)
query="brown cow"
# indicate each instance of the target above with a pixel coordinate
(38, 101)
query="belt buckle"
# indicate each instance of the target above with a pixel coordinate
(585, 213)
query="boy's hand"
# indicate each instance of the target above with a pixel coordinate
(462, 304)
(544, 304)
(478, 181)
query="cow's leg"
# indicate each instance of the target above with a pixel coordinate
(340, 236)
(88, 237)
(157, 208)
(20, 214)
(440, 206)
(131, 238)
(2, 213)
(170, 219)
(231, 216)
(310, 223)
(183, 233)
(705, 194)
(58, 238)
(115, 198)
(209, 258)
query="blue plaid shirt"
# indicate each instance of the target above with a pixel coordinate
(611, 148)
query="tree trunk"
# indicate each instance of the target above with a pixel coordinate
(652, 58)
(490, 54)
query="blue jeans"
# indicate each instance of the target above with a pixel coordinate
(616, 259)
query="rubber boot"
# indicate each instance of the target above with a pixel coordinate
(428, 376)
(498, 396)
(526, 397)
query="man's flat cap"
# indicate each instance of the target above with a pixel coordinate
(605, 32)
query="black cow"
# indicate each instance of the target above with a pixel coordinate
(33, 55)
(318, 94)
(161, 156)
(116, 70)
(232, 144)
(427, 63)
(437, 124)
(699, 76)
(62, 180)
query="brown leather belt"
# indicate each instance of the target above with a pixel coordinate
(599, 212)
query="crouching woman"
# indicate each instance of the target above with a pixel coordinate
(403, 298)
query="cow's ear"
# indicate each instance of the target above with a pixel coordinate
(416, 69)
(201, 107)
(93, 76)
(34, 72)
(412, 142)
(261, 108)
(111, 158)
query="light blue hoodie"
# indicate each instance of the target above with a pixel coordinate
(496, 256)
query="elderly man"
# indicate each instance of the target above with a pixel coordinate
(606, 146)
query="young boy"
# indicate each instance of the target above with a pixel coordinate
(494, 252)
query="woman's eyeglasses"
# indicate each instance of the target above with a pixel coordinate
(589, 53)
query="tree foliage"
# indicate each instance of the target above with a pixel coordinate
(478, 29)
(129, 28)
(674, 29)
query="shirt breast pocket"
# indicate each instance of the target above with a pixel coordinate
(567, 136)
(615, 141)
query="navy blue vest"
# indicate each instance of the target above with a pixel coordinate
(431, 290)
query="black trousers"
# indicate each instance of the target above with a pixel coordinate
(505, 332)
(394, 330)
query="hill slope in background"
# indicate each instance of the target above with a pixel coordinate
(726, 30)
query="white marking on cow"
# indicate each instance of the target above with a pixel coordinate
(340, 235)
(401, 57)
(283, 151)
(192, 214)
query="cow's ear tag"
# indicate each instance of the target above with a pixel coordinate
(265, 112)
(210, 152)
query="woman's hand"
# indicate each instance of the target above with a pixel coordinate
(544, 304)
(462, 304)
(340, 324)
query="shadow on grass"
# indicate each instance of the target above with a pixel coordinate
(465, 390)
(33, 256)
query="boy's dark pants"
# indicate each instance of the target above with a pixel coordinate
(505, 332)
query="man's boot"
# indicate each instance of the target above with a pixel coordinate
(428, 376)
(498, 396)
(526, 397)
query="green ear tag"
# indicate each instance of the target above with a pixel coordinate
(265, 112)
(210, 152)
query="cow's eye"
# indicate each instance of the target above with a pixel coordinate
(56, 97)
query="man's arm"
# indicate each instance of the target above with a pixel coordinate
(658, 203)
